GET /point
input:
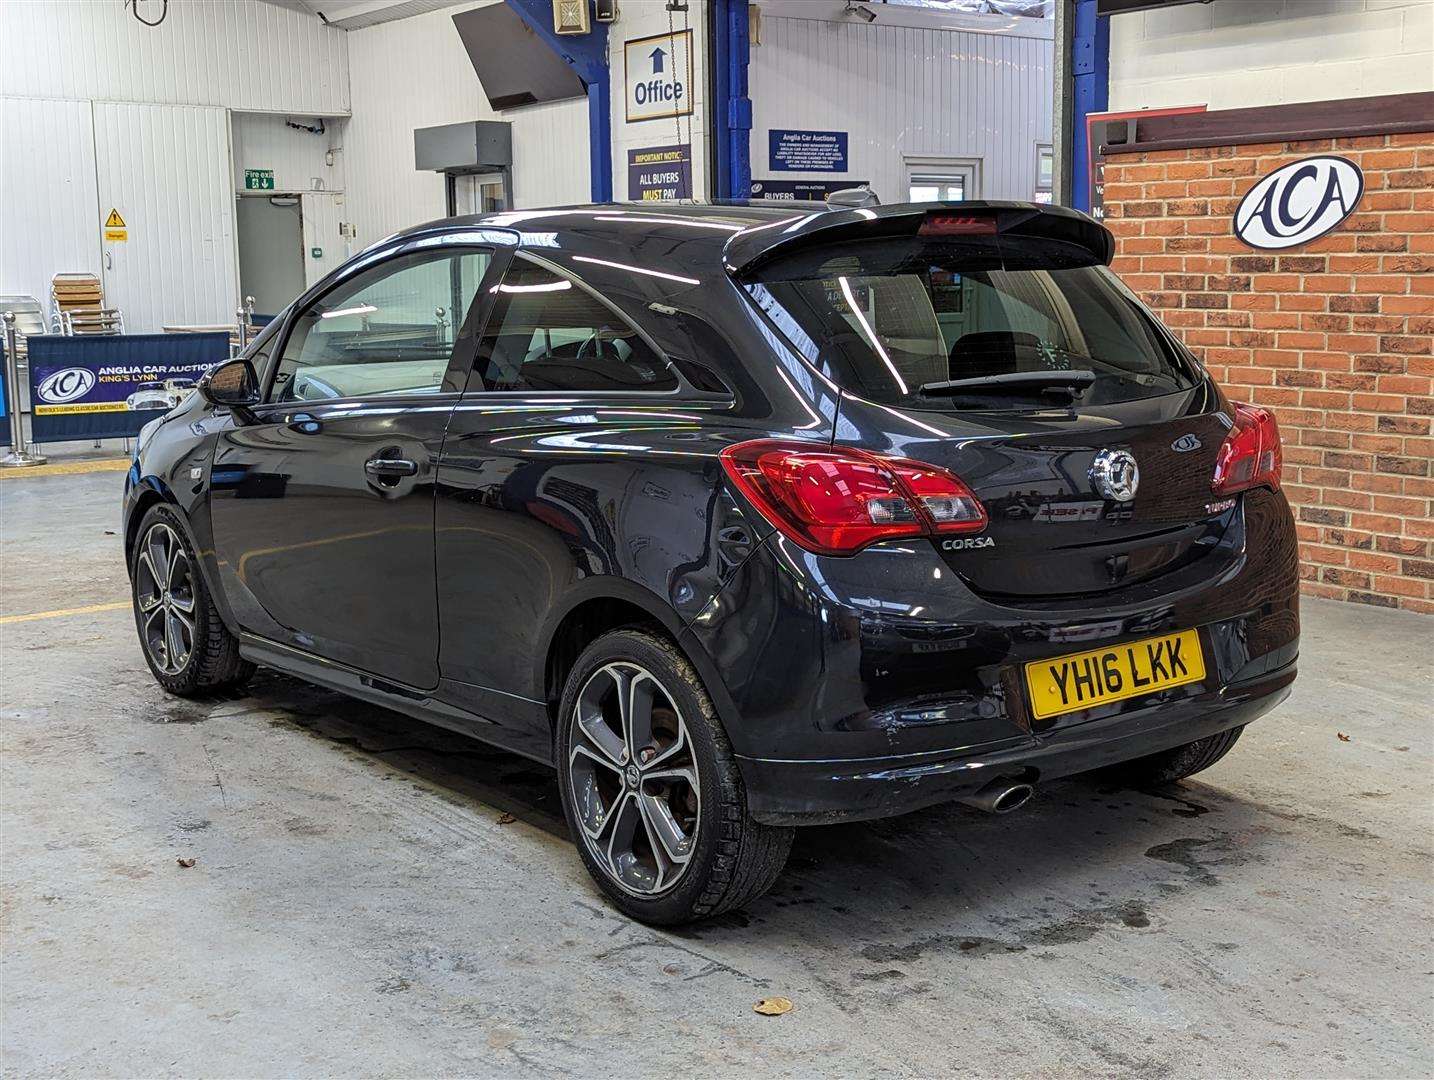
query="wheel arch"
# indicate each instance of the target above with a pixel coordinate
(150, 491)
(600, 606)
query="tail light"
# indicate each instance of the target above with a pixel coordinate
(837, 500)
(1250, 456)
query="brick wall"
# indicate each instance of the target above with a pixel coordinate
(1335, 336)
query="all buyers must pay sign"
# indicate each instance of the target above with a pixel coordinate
(658, 74)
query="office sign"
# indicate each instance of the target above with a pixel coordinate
(806, 151)
(659, 172)
(810, 190)
(1299, 202)
(658, 76)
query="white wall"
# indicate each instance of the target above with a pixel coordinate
(912, 84)
(88, 92)
(415, 73)
(1231, 55)
(298, 158)
(49, 205)
(242, 54)
(647, 18)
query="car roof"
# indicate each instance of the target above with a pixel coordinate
(668, 235)
(739, 234)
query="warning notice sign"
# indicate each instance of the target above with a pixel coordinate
(115, 229)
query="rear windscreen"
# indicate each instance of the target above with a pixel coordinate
(890, 320)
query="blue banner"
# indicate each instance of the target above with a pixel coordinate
(806, 151)
(806, 190)
(109, 387)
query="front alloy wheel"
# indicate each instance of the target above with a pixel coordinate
(164, 599)
(185, 642)
(634, 781)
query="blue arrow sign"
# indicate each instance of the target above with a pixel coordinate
(657, 55)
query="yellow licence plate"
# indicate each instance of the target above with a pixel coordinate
(1081, 680)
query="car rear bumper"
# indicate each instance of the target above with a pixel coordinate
(875, 684)
(814, 792)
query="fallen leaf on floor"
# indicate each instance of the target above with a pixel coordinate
(1342, 736)
(506, 819)
(773, 1006)
(186, 863)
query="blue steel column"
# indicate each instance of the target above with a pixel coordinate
(739, 105)
(586, 54)
(600, 138)
(1090, 71)
(732, 108)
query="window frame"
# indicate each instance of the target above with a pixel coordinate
(497, 244)
(1042, 149)
(477, 382)
(917, 167)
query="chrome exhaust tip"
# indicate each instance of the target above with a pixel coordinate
(1000, 797)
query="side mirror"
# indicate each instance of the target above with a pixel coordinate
(231, 385)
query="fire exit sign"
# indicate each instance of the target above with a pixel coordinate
(259, 179)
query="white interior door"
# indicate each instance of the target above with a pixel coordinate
(166, 170)
(325, 248)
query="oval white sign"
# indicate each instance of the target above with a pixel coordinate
(66, 385)
(1299, 202)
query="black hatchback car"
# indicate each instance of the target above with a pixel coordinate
(742, 517)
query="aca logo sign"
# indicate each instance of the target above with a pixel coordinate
(65, 385)
(1299, 202)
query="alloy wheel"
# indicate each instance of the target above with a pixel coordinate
(634, 779)
(164, 599)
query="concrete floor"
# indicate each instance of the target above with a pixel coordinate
(360, 907)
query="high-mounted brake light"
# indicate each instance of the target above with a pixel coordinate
(1250, 456)
(837, 500)
(957, 225)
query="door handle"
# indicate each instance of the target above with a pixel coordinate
(385, 466)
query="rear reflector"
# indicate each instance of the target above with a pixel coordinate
(1250, 456)
(837, 500)
(958, 225)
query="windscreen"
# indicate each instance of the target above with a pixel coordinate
(893, 320)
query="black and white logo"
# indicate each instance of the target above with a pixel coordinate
(1299, 202)
(1185, 444)
(1115, 474)
(65, 385)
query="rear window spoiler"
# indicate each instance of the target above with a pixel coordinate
(750, 248)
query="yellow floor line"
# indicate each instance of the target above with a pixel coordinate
(59, 613)
(67, 468)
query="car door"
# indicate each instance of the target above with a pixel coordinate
(322, 499)
(573, 455)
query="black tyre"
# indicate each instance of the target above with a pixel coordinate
(185, 643)
(651, 789)
(1178, 762)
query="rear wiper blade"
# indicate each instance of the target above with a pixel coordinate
(1013, 381)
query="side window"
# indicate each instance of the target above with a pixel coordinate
(549, 333)
(388, 331)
